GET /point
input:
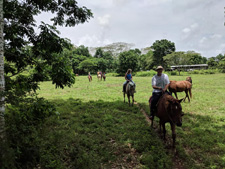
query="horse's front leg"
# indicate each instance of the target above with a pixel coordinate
(187, 95)
(128, 99)
(132, 99)
(173, 133)
(124, 97)
(176, 94)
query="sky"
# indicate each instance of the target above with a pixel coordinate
(193, 25)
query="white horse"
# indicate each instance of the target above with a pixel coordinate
(130, 90)
(99, 76)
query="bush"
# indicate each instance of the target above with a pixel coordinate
(112, 74)
(23, 124)
(173, 73)
(146, 73)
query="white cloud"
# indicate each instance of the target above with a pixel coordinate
(204, 39)
(93, 41)
(216, 36)
(186, 30)
(104, 20)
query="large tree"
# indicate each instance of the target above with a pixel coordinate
(2, 79)
(128, 60)
(25, 49)
(162, 48)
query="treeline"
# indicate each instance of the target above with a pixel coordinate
(162, 52)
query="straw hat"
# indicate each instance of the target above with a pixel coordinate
(159, 67)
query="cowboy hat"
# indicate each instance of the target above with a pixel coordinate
(159, 67)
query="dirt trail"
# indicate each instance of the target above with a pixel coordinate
(177, 162)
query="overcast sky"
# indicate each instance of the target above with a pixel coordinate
(196, 25)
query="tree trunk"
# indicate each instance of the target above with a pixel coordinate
(2, 78)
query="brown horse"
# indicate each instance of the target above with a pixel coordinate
(104, 77)
(130, 88)
(168, 110)
(89, 78)
(180, 86)
(189, 79)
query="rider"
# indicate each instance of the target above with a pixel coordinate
(160, 84)
(89, 74)
(128, 77)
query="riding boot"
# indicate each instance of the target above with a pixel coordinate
(124, 88)
(152, 114)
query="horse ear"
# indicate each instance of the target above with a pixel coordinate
(180, 100)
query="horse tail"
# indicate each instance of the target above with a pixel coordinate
(190, 92)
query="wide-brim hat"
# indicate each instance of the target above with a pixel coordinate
(159, 67)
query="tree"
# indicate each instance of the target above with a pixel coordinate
(2, 79)
(195, 58)
(88, 65)
(161, 48)
(222, 65)
(25, 49)
(212, 62)
(175, 58)
(146, 61)
(128, 60)
(82, 50)
(99, 53)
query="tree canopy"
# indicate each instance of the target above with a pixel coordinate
(128, 60)
(160, 49)
(27, 50)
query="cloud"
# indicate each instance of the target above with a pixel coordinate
(186, 30)
(93, 41)
(104, 20)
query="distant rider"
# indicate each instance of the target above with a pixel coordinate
(128, 77)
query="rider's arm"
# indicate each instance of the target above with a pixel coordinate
(166, 87)
(126, 77)
(155, 87)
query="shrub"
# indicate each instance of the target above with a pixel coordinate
(173, 73)
(23, 123)
(146, 73)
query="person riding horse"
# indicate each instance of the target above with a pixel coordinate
(128, 77)
(89, 76)
(160, 84)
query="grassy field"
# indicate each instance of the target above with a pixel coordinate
(95, 129)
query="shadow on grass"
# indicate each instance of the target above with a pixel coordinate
(100, 134)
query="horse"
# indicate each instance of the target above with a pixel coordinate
(99, 76)
(104, 76)
(130, 88)
(168, 110)
(180, 86)
(189, 79)
(89, 78)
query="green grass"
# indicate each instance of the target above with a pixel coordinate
(97, 127)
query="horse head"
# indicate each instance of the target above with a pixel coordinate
(175, 112)
(189, 79)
